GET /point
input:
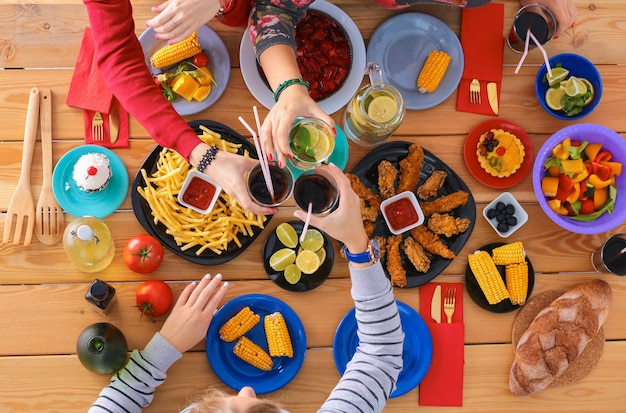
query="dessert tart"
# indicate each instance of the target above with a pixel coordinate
(500, 153)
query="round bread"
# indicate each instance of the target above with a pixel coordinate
(583, 364)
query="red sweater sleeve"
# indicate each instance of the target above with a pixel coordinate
(120, 59)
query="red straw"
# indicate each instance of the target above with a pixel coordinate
(264, 166)
(306, 222)
(543, 51)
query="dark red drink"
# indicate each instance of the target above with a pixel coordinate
(612, 256)
(315, 189)
(537, 25)
(282, 181)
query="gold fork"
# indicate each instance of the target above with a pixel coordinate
(97, 127)
(448, 303)
(475, 92)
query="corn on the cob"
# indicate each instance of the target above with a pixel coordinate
(509, 254)
(517, 282)
(433, 70)
(174, 53)
(488, 277)
(239, 324)
(277, 334)
(251, 353)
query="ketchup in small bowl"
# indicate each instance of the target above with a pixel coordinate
(199, 192)
(402, 212)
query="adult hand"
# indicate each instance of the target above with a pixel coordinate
(190, 318)
(177, 19)
(563, 10)
(344, 223)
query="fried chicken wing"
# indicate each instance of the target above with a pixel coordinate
(432, 184)
(410, 168)
(444, 224)
(445, 203)
(416, 254)
(369, 227)
(431, 242)
(396, 271)
(382, 243)
(386, 179)
(368, 213)
(363, 192)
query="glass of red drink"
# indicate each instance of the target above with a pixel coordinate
(541, 22)
(318, 187)
(611, 257)
(282, 181)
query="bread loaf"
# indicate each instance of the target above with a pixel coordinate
(557, 335)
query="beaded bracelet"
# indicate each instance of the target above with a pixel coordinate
(207, 158)
(287, 83)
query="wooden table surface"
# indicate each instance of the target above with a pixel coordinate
(42, 309)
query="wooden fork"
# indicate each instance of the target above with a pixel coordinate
(22, 206)
(448, 303)
(474, 92)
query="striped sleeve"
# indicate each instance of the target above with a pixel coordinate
(372, 373)
(132, 388)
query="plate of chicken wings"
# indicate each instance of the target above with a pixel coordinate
(415, 257)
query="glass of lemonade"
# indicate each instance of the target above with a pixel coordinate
(375, 112)
(318, 187)
(282, 181)
(311, 142)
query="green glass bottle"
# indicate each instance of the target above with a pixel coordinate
(102, 348)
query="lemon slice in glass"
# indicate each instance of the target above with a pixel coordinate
(322, 147)
(313, 240)
(282, 258)
(553, 97)
(308, 262)
(382, 108)
(287, 235)
(558, 74)
(575, 87)
(292, 274)
(314, 135)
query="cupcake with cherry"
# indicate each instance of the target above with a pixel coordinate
(92, 172)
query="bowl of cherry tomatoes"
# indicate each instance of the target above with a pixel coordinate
(578, 179)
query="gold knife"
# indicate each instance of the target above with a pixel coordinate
(435, 305)
(114, 125)
(492, 95)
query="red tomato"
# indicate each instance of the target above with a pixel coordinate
(201, 59)
(143, 253)
(154, 298)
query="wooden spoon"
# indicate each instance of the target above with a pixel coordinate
(49, 220)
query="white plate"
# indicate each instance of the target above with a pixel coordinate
(219, 64)
(259, 89)
(401, 45)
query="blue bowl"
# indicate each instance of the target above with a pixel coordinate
(578, 66)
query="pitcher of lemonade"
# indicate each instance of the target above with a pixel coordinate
(375, 112)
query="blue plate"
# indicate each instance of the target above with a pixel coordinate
(417, 351)
(235, 372)
(219, 64)
(79, 203)
(339, 156)
(401, 45)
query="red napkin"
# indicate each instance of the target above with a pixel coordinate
(89, 91)
(443, 383)
(483, 48)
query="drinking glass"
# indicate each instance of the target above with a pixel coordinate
(318, 187)
(541, 22)
(311, 142)
(282, 181)
(611, 256)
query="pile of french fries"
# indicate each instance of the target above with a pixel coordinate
(214, 231)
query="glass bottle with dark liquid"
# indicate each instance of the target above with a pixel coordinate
(316, 189)
(282, 181)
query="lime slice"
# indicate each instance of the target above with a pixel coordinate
(575, 87)
(589, 89)
(314, 135)
(287, 235)
(382, 108)
(292, 274)
(282, 258)
(553, 97)
(558, 74)
(308, 262)
(313, 240)
(321, 253)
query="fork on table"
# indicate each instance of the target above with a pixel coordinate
(97, 127)
(448, 303)
(474, 91)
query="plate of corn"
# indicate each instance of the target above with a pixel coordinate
(256, 340)
(206, 41)
(420, 56)
(499, 277)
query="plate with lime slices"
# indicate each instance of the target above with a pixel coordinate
(296, 265)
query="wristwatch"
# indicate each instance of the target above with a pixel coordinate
(371, 255)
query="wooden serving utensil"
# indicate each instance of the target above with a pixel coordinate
(49, 220)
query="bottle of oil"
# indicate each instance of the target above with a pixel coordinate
(101, 296)
(88, 244)
(102, 348)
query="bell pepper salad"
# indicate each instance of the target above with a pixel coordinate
(580, 180)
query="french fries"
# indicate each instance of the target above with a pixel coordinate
(227, 222)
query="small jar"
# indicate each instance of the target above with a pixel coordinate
(101, 296)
